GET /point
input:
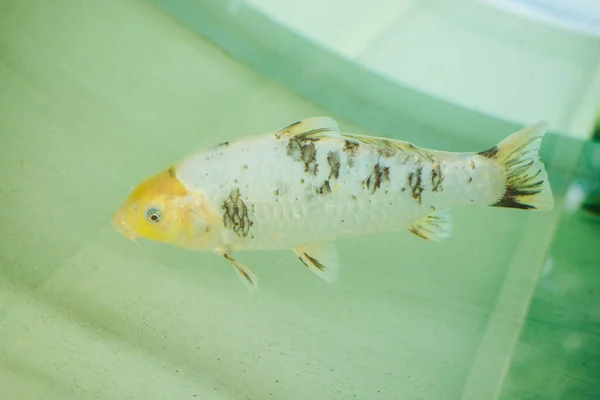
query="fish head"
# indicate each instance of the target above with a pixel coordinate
(161, 209)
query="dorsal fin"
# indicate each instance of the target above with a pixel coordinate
(389, 147)
(310, 127)
(315, 128)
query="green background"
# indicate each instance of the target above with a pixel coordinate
(96, 96)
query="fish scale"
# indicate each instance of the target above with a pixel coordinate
(288, 212)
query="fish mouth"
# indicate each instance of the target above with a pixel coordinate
(121, 226)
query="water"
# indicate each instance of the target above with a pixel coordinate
(94, 99)
(558, 354)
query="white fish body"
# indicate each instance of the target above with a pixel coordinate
(307, 185)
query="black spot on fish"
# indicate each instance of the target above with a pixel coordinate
(303, 262)
(244, 166)
(333, 159)
(380, 174)
(315, 262)
(386, 153)
(353, 197)
(472, 165)
(301, 180)
(415, 183)
(351, 147)
(246, 276)
(235, 214)
(285, 130)
(276, 192)
(417, 232)
(385, 148)
(171, 172)
(469, 180)
(436, 178)
(224, 144)
(304, 151)
(519, 187)
(490, 153)
(324, 189)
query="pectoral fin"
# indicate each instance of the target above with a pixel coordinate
(322, 259)
(244, 273)
(435, 226)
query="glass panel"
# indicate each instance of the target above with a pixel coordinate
(96, 98)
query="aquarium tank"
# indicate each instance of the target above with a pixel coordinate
(97, 96)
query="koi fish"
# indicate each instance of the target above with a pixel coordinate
(306, 185)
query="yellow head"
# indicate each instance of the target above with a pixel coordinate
(160, 208)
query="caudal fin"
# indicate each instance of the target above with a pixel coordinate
(527, 184)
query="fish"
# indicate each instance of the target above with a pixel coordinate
(303, 187)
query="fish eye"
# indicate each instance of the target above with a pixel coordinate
(153, 215)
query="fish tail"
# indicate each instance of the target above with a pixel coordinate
(527, 185)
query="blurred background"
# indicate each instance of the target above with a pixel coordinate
(97, 95)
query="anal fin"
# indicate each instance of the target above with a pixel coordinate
(435, 226)
(322, 259)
